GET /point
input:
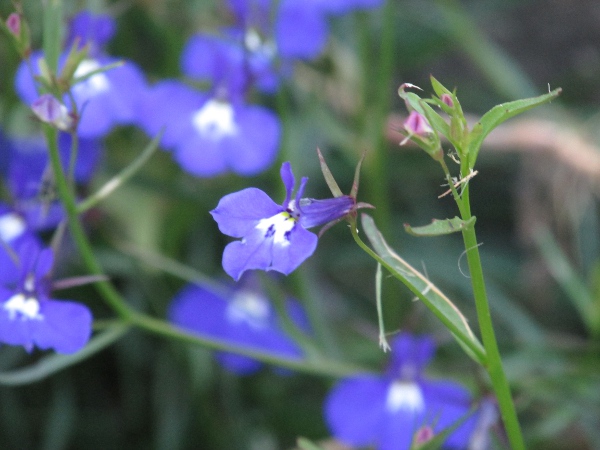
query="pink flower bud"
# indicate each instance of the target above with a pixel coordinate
(13, 23)
(423, 435)
(417, 124)
(447, 99)
(49, 110)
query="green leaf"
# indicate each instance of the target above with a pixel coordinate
(572, 284)
(56, 362)
(53, 20)
(440, 227)
(499, 114)
(305, 444)
(438, 87)
(427, 292)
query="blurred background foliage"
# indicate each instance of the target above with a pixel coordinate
(535, 198)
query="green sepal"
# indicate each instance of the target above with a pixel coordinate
(499, 114)
(333, 186)
(440, 227)
(427, 292)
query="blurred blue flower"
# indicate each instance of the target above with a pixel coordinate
(273, 237)
(386, 411)
(103, 100)
(14, 234)
(29, 317)
(297, 30)
(31, 182)
(211, 134)
(240, 316)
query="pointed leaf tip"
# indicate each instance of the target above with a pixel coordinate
(331, 183)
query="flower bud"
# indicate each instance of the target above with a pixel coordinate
(417, 124)
(49, 110)
(447, 99)
(13, 23)
(422, 436)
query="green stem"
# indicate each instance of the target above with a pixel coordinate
(494, 361)
(316, 366)
(105, 288)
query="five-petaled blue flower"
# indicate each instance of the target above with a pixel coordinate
(273, 237)
(29, 317)
(386, 411)
(240, 316)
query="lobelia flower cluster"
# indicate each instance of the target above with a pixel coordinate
(215, 131)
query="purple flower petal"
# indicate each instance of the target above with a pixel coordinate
(354, 409)
(95, 30)
(238, 213)
(301, 30)
(410, 355)
(212, 58)
(66, 326)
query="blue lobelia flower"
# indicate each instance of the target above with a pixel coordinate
(273, 237)
(241, 316)
(31, 182)
(29, 317)
(103, 100)
(387, 411)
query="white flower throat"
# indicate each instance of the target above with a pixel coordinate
(249, 308)
(11, 227)
(215, 120)
(405, 395)
(93, 85)
(278, 227)
(24, 305)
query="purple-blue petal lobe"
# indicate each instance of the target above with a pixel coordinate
(355, 409)
(66, 326)
(301, 30)
(237, 214)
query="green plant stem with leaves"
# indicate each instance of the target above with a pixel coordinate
(467, 144)
(493, 363)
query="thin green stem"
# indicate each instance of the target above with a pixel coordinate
(65, 193)
(314, 366)
(494, 361)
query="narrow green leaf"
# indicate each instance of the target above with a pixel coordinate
(333, 186)
(53, 18)
(383, 343)
(438, 87)
(427, 292)
(440, 227)
(56, 362)
(499, 114)
(123, 176)
(305, 444)
(566, 276)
